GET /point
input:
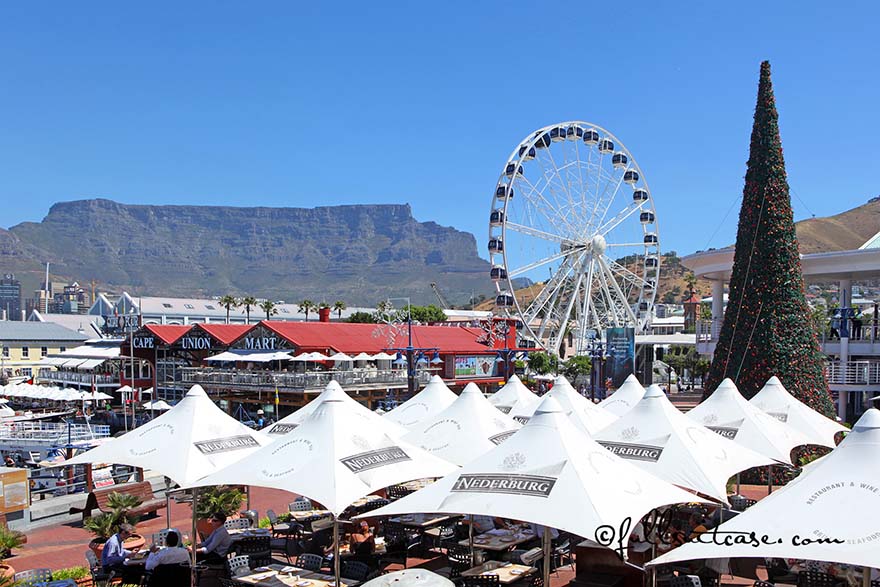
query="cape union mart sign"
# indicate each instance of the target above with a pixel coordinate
(534, 485)
(195, 343)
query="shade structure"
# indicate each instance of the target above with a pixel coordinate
(514, 395)
(776, 401)
(124, 389)
(836, 498)
(251, 356)
(187, 442)
(552, 474)
(626, 396)
(727, 413)
(335, 456)
(586, 416)
(469, 427)
(430, 401)
(363, 357)
(332, 391)
(383, 357)
(341, 358)
(658, 438)
(96, 395)
(161, 405)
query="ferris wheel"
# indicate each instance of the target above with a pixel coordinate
(573, 236)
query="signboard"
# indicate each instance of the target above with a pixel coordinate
(195, 342)
(261, 339)
(102, 476)
(474, 366)
(621, 353)
(120, 324)
(14, 490)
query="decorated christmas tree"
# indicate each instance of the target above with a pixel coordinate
(766, 328)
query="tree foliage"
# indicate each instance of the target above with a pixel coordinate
(543, 363)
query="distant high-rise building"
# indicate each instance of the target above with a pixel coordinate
(10, 297)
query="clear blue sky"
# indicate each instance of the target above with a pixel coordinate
(305, 104)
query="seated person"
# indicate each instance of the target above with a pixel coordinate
(172, 554)
(362, 540)
(114, 554)
(214, 549)
(9, 461)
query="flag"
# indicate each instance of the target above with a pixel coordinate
(276, 401)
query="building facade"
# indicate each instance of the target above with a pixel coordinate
(26, 344)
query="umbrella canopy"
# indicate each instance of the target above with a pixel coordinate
(189, 441)
(124, 389)
(335, 456)
(626, 396)
(157, 405)
(432, 400)
(586, 416)
(332, 391)
(363, 357)
(728, 413)
(96, 395)
(656, 437)
(548, 473)
(775, 400)
(341, 358)
(466, 429)
(383, 357)
(835, 498)
(514, 395)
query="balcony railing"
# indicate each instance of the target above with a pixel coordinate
(708, 330)
(75, 377)
(258, 380)
(853, 372)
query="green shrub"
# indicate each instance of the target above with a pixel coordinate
(70, 573)
(9, 539)
(218, 499)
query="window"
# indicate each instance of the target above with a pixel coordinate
(189, 306)
(6, 352)
(26, 371)
(210, 307)
(62, 349)
(285, 311)
(44, 351)
(167, 305)
(25, 352)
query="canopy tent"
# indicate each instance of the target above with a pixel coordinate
(658, 438)
(96, 395)
(433, 399)
(514, 395)
(363, 357)
(336, 456)
(250, 356)
(831, 512)
(776, 401)
(626, 396)
(332, 391)
(586, 416)
(728, 413)
(157, 405)
(467, 428)
(548, 473)
(189, 441)
(341, 358)
(384, 357)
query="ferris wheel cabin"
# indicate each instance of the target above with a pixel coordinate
(591, 136)
(504, 300)
(498, 273)
(527, 155)
(497, 246)
(619, 160)
(646, 217)
(574, 133)
(513, 168)
(606, 146)
(650, 239)
(496, 218)
(503, 191)
(640, 195)
(631, 177)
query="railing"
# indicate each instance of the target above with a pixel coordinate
(853, 372)
(708, 330)
(49, 482)
(52, 433)
(295, 381)
(74, 377)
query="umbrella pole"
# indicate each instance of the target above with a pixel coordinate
(336, 549)
(471, 540)
(194, 538)
(652, 580)
(769, 479)
(737, 484)
(866, 577)
(547, 561)
(167, 502)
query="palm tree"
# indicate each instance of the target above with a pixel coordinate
(269, 307)
(229, 302)
(338, 307)
(248, 302)
(307, 306)
(691, 280)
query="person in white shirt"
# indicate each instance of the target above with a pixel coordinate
(173, 554)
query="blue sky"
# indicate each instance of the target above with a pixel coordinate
(305, 104)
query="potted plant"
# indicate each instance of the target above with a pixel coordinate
(106, 524)
(223, 499)
(80, 575)
(9, 539)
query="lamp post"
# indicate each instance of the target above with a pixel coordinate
(504, 356)
(597, 354)
(414, 356)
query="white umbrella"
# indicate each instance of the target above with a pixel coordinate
(831, 512)
(97, 395)
(341, 358)
(728, 413)
(383, 357)
(779, 403)
(586, 416)
(157, 405)
(551, 474)
(658, 438)
(336, 456)
(332, 391)
(363, 357)
(125, 389)
(187, 442)
(626, 396)
(463, 431)
(514, 395)
(431, 400)
(316, 356)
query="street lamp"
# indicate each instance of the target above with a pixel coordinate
(597, 355)
(504, 356)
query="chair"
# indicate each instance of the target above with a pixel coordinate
(99, 577)
(536, 580)
(237, 524)
(310, 562)
(741, 503)
(355, 570)
(760, 583)
(229, 582)
(685, 581)
(170, 576)
(398, 542)
(289, 543)
(300, 505)
(816, 579)
(397, 491)
(160, 536)
(561, 554)
(481, 581)
(459, 560)
(238, 565)
(33, 576)
(778, 571)
(278, 528)
(257, 548)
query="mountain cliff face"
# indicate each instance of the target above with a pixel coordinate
(359, 254)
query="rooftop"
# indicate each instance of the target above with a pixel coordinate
(38, 331)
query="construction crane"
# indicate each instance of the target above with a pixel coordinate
(443, 303)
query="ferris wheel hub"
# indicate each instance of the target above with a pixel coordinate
(598, 244)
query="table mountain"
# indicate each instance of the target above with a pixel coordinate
(359, 254)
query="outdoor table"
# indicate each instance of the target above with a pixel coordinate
(421, 521)
(500, 540)
(239, 533)
(289, 576)
(308, 514)
(365, 500)
(507, 572)
(379, 541)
